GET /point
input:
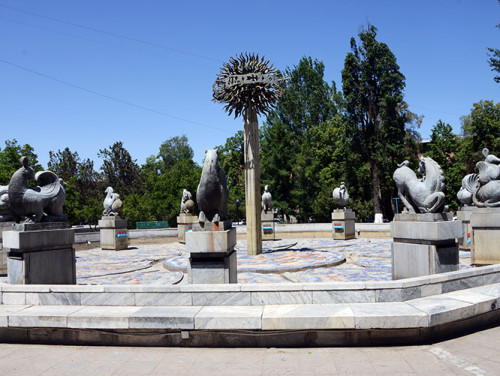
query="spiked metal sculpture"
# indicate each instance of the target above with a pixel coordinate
(249, 85)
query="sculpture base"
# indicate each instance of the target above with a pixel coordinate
(4, 226)
(424, 244)
(185, 223)
(343, 224)
(40, 254)
(485, 224)
(465, 241)
(268, 226)
(212, 258)
(113, 233)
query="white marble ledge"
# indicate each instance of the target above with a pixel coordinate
(303, 317)
(233, 317)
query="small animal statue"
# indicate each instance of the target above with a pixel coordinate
(487, 193)
(113, 206)
(340, 196)
(423, 195)
(469, 186)
(185, 206)
(4, 204)
(212, 193)
(267, 204)
(43, 203)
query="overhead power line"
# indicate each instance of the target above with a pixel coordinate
(101, 42)
(110, 33)
(110, 97)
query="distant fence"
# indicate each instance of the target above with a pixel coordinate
(151, 224)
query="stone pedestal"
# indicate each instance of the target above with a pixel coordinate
(485, 224)
(212, 258)
(40, 253)
(424, 244)
(343, 224)
(113, 233)
(185, 223)
(4, 226)
(466, 240)
(268, 226)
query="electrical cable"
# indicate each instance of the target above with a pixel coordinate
(111, 97)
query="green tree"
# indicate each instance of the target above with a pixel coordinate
(377, 116)
(481, 129)
(10, 156)
(83, 194)
(120, 171)
(444, 150)
(231, 160)
(163, 193)
(173, 150)
(308, 101)
(494, 60)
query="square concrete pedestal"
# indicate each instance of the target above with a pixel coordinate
(40, 253)
(466, 240)
(212, 258)
(185, 223)
(485, 224)
(343, 224)
(4, 226)
(268, 226)
(424, 244)
(113, 233)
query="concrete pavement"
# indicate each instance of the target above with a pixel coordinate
(474, 354)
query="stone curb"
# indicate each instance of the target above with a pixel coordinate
(250, 294)
(417, 313)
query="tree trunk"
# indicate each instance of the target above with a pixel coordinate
(252, 182)
(377, 192)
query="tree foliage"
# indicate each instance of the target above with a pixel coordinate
(231, 160)
(376, 113)
(174, 150)
(306, 104)
(445, 151)
(10, 156)
(120, 171)
(494, 60)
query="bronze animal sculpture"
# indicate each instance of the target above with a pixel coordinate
(423, 195)
(212, 193)
(267, 203)
(40, 204)
(487, 193)
(340, 196)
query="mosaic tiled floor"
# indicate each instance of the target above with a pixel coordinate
(290, 260)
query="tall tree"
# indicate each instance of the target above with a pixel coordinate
(83, 197)
(120, 171)
(10, 156)
(231, 160)
(494, 60)
(444, 150)
(306, 103)
(481, 129)
(376, 113)
(173, 150)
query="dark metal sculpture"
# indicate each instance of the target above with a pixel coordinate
(42, 203)
(248, 81)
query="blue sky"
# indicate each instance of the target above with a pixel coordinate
(84, 74)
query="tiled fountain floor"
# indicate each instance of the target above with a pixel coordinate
(288, 260)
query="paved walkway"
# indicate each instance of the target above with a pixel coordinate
(474, 354)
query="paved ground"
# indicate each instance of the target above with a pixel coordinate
(287, 260)
(475, 354)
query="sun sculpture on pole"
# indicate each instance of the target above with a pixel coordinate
(250, 86)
